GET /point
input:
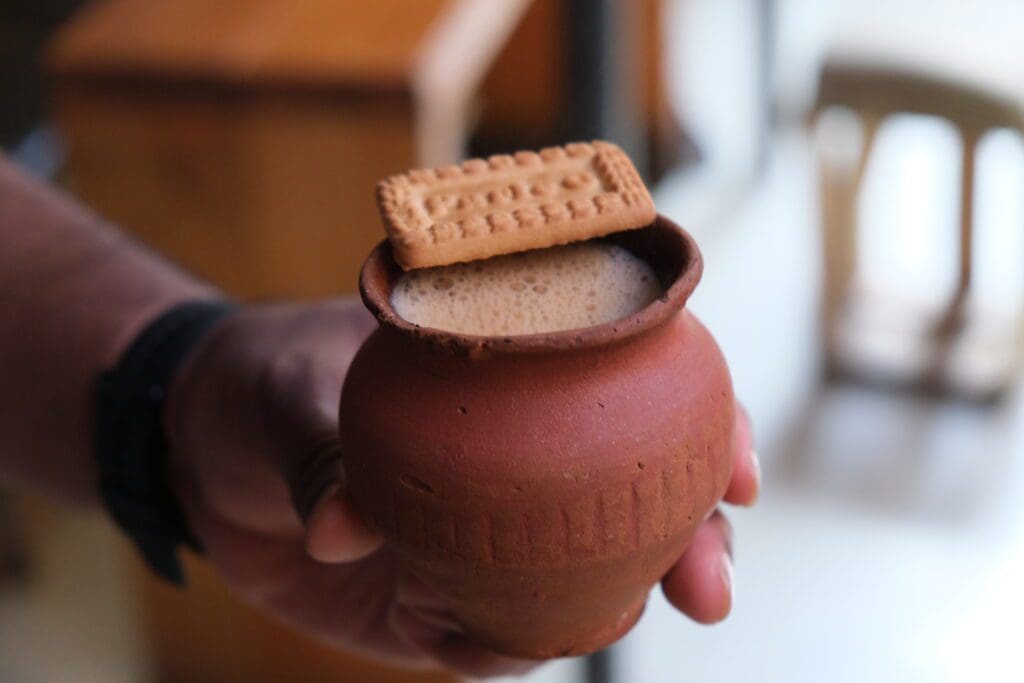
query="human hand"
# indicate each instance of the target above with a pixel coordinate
(252, 420)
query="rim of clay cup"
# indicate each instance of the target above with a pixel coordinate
(666, 247)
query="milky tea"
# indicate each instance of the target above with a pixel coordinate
(544, 290)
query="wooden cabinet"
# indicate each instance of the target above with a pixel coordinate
(243, 138)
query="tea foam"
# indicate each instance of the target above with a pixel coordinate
(546, 290)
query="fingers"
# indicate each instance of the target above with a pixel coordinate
(459, 654)
(421, 612)
(700, 583)
(335, 533)
(745, 484)
(453, 650)
(423, 620)
(304, 433)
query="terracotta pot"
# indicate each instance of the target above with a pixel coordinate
(542, 484)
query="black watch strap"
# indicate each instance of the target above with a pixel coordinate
(131, 447)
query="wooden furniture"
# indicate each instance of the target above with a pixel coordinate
(13, 554)
(947, 59)
(224, 134)
(24, 28)
(243, 139)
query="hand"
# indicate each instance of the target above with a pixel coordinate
(253, 428)
(252, 421)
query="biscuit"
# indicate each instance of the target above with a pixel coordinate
(511, 203)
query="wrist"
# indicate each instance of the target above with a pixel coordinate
(130, 440)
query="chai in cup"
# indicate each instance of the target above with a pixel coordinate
(544, 290)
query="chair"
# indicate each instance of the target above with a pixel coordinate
(957, 61)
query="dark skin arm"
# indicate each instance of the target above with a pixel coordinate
(251, 417)
(73, 293)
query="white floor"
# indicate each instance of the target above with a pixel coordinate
(73, 620)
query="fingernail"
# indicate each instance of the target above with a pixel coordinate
(725, 570)
(756, 461)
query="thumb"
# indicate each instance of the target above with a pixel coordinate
(301, 390)
(306, 427)
(334, 531)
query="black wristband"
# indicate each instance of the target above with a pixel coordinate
(131, 447)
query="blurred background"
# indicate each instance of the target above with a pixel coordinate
(852, 170)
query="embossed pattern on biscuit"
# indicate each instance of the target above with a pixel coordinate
(510, 203)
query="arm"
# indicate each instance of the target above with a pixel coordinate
(73, 294)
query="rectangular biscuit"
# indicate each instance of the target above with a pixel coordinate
(510, 203)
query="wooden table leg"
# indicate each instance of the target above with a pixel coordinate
(953, 318)
(840, 190)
